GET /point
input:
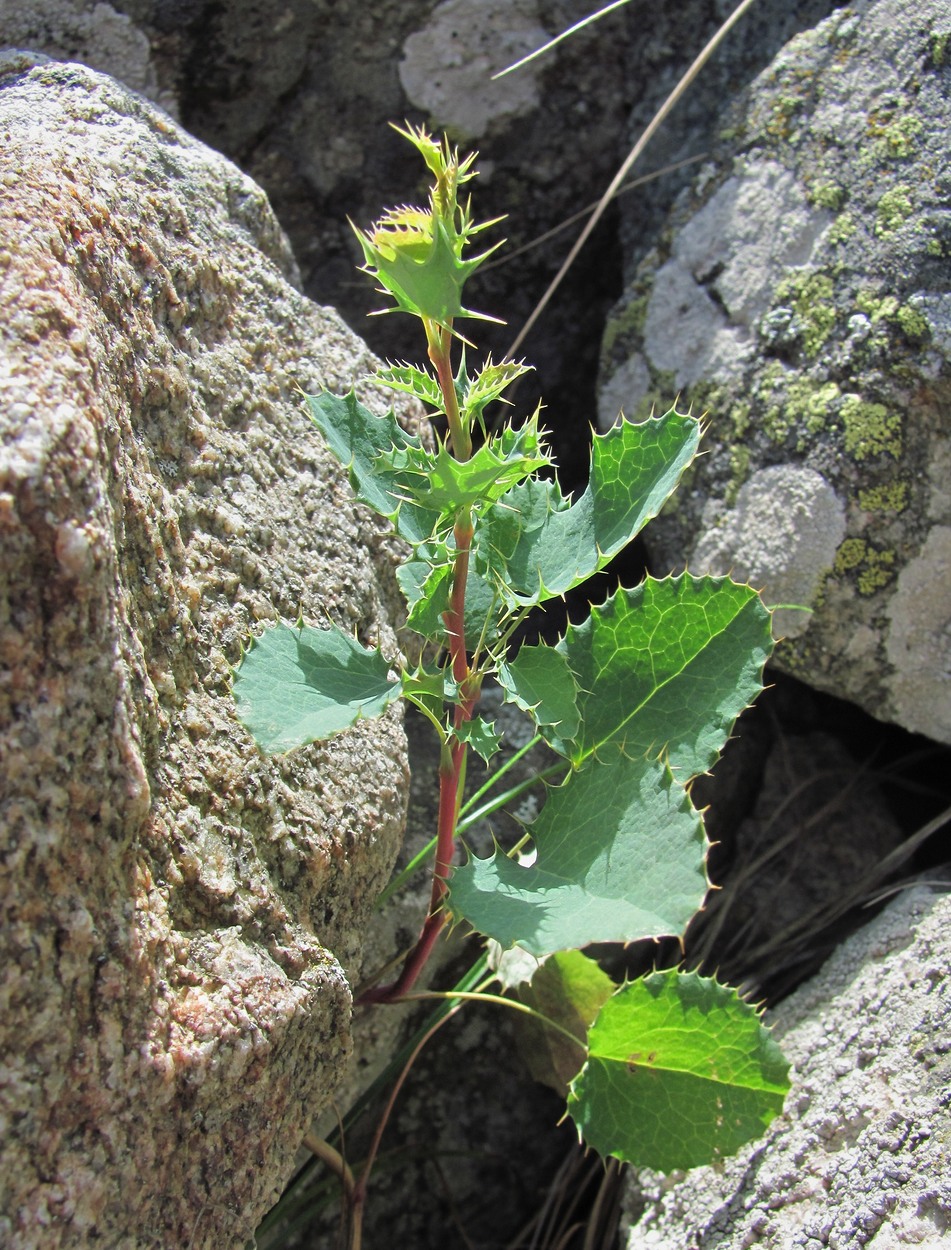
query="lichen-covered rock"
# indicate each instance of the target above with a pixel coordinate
(801, 295)
(860, 1155)
(177, 911)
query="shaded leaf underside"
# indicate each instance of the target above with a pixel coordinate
(620, 857)
(300, 685)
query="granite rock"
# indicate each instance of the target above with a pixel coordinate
(180, 916)
(800, 295)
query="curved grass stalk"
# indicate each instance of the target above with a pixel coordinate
(632, 157)
(572, 30)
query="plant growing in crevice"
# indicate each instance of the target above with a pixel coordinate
(671, 1070)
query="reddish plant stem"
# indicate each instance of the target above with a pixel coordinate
(357, 1196)
(452, 766)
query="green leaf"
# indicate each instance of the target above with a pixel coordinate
(359, 439)
(620, 856)
(426, 588)
(412, 381)
(536, 546)
(488, 385)
(661, 673)
(481, 736)
(440, 483)
(680, 1072)
(540, 682)
(667, 666)
(417, 257)
(430, 689)
(570, 989)
(303, 685)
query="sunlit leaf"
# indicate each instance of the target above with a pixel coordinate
(680, 1072)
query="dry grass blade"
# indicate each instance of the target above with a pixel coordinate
(572, 30)
(581, 1209)
(553, 233)
(633, 156)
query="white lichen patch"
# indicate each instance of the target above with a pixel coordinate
(781, 536)
(447, 66)
(726, 238)
(707, 299)
(686, 332)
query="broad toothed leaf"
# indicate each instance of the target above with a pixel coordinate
(620, 856)
(359, 440)
(538, 547)
(570, 989)
(667, 666)
(662, 671)
(540, 682)
(302, 685)
(680, 1072)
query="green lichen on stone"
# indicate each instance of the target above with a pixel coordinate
(876, 307)
(896, 141)
(940, 48)
(888, 497)
(811, 298)
(912, 324)
(705, 399)
(894, 208)
(842, 228)
(739, 472)
(826, 195)
(740, 418)
(907, 317)
(872, 568)
(934, 248)
(625, 325)
(878, 571)
(782, 111)
(850, 555)
(804, 411)
(870, 429)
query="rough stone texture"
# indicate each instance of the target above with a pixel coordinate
(784, 531)
(666, 40)
(801, 295)
(860, 1157)
(177, 912)
(88, 31)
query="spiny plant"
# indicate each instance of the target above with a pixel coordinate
(671, 1070)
